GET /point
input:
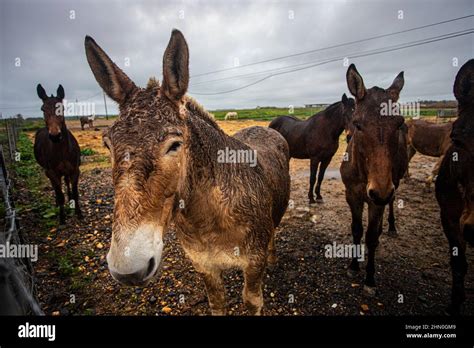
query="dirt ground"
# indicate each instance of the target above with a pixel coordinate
(412, 270)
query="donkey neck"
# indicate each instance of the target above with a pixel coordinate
(64, 138)
(203, 174)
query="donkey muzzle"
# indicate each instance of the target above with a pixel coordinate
(138, 278)
(55, 138)
(379, 199)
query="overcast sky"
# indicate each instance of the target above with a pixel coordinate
(48, 39)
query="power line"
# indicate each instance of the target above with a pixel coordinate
(335, 46)
(383, 50)
(315, 61)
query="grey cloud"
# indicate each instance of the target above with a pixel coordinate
(50, 46)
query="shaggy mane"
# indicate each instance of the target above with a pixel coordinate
(152, 83)
(197, 109)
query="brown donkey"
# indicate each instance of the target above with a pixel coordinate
(316, 138)
(430, 139)
(377, 160)
(57, 151)
(169, 167)
(455, 184)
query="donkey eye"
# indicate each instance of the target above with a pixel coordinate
(174, 147)
(357, 125)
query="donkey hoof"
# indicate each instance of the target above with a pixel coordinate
(319, 200)
(312, 201)
(218, 312)
(370, 290)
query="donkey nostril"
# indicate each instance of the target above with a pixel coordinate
(372, 194)
(151, 266)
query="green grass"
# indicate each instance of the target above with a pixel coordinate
(267, 113)
(261, 114)
(40, 201)
(87, 151)
(28, 174)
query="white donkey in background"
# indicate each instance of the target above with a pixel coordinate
(87, 120)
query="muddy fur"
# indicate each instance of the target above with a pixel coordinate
(164, 148)
(377, 160)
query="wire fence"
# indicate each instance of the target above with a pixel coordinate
(17, 284)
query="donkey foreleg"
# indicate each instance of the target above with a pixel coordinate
(458, 261)
(410, 152)
(272, 257)
(68, 187)
(357, 208)
(75, 193)
(252, 293)
(215, 291)
(322, 169)
(435, 170)
(56, 183)
(459, 269)
(372, 241)
(312, 179)
(392, 230)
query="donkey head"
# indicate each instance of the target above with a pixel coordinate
(375, 134)
(147, 147)
(348, 106)
(462, 136)
(53, 112)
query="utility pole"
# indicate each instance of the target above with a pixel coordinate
(105, 103)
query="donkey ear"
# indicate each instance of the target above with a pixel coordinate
(41, 92)
(110, 77)
(397, 86)
(355, 83)
(344, 99)
(60, 92)
(464, 82)
(176, 67)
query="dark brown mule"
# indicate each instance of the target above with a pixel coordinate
(455, 184)
(377, 160)
(57, 151)
(316, 138)
(168, 167)
(430, 139)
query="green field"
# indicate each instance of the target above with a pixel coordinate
(272, 112)
(266, 113)
(262, 114)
